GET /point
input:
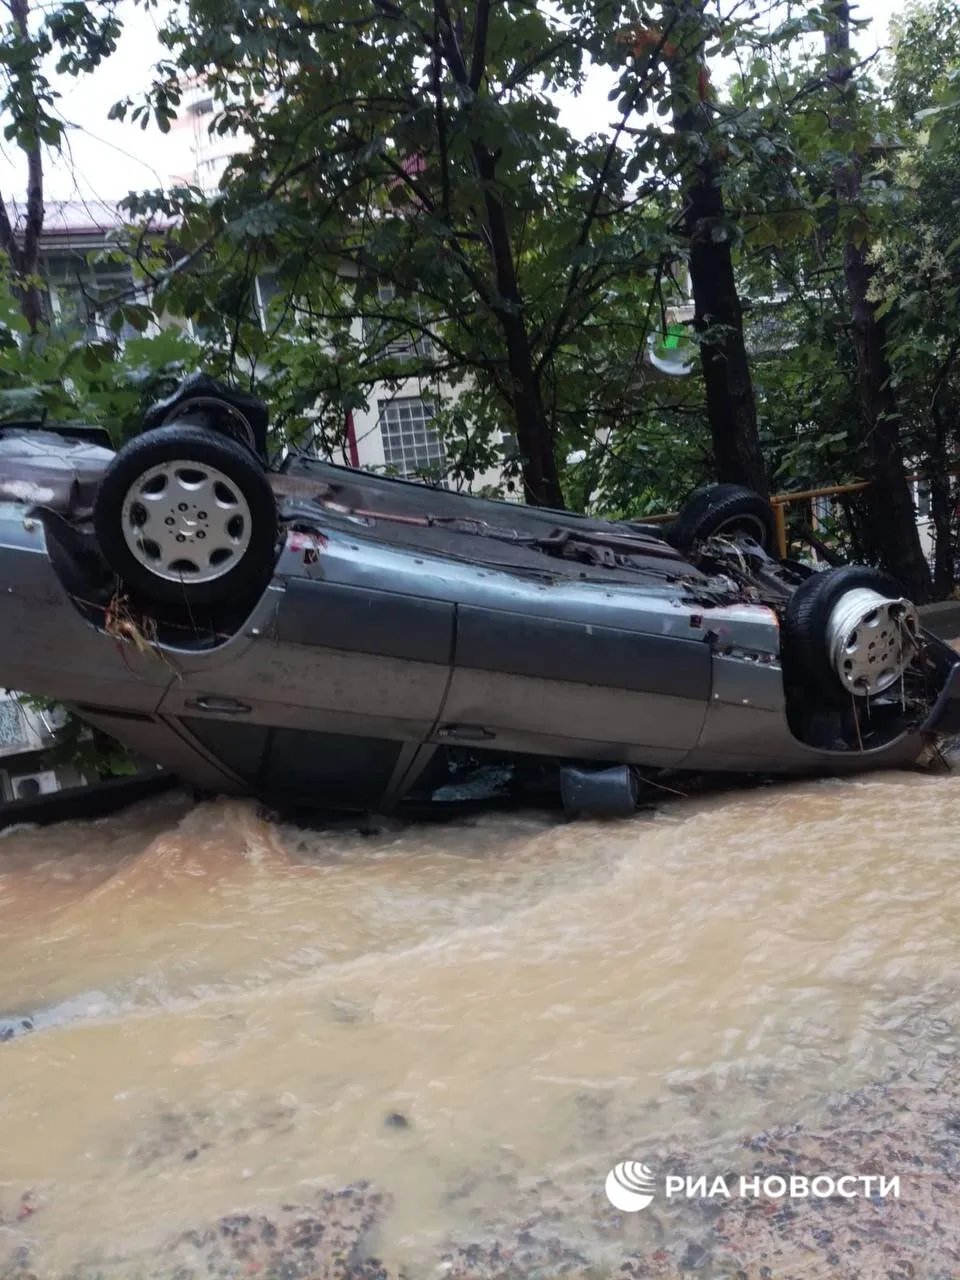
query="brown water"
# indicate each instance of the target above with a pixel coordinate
(234, 1014)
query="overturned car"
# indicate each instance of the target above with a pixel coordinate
(317, 636)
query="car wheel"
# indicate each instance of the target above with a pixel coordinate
(184, 515)
(724, 510)
(849, 632)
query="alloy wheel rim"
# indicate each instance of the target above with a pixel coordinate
(186, 521)
(871, 640)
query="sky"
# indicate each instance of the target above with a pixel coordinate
(105, 159)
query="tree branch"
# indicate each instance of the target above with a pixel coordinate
(424, 197)
(597, 195)
(478, 60)
(520, 73)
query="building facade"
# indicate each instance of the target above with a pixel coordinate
(27, 738)
(394, 433)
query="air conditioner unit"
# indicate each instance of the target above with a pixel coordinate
(27, 785)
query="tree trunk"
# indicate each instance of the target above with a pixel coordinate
(889, 499)
(541, 480)
(24, 254)
(941, 504)
(718, 318)
(718, 315)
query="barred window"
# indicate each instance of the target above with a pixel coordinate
(13, 732)
(81, 288)
(411, 446)
(410, 342)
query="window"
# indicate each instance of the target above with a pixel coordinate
(329, 767)
(317, 767)
(411, 446)
(80, 289)
(413, 341)
(268, 287)
(239, 747)
(13, 732)
(76, 310)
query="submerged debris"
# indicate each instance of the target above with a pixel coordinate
(14, 1026)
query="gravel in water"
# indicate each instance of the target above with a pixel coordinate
(902, 1127)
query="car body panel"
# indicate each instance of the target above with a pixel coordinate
(402, 622)
(46, 646)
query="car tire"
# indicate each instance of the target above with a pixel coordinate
(184, 515)
(724, 509)
(805, 644)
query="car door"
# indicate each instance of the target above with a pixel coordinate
(573, 686)
(327, 693)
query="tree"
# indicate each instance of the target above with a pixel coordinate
(407, 180)
(422, 218)
(66, 377)
(23, 93)
(83, 35)
(826, 209)
(731, 407)
(46, 369)
(893, 518)
(917, 277)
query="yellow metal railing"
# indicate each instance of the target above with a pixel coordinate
(781, 501)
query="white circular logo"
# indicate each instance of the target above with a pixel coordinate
(630, 1186)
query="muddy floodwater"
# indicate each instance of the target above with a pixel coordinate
(237, 1047)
